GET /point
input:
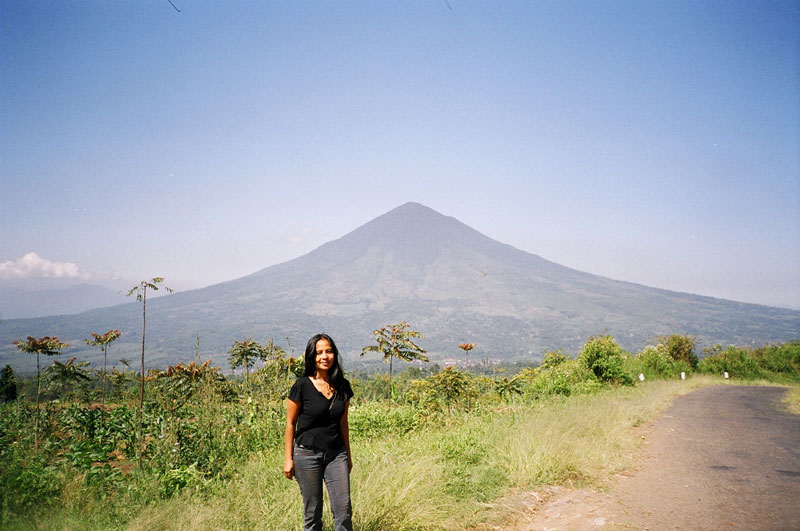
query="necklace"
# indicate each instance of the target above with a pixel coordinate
(328, 389)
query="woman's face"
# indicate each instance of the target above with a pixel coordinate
(325, 356)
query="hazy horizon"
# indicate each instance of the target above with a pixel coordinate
(656, 143)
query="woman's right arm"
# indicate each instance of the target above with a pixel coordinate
(292, 412)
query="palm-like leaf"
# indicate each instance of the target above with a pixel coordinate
(394, 341)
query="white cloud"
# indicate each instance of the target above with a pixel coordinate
(32, 266)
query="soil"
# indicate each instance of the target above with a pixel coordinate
(722, 457)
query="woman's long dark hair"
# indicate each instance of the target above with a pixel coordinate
(336, 373)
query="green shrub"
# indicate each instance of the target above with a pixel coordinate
(553, 359)
(26, 481)
(8, 384)
(735, 361)
(780, 359)
(656, 362)
(680, 348)
(565, 379)
(604, 357)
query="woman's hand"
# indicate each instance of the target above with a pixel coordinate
(288, 469)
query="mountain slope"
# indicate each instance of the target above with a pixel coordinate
(448, 280)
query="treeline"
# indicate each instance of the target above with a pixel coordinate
(115, 440)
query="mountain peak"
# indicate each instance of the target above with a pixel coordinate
(412, 226)
(413, 207)
(412, 211)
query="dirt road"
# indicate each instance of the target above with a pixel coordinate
(723, 457)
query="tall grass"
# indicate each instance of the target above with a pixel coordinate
(449, 478)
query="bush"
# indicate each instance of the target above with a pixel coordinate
(553, 359)
(568, 378)
(26, 481)
(680, 348)
(604, 357)
(656, 362)
(8, 384)
(782, 360)
(734, 360)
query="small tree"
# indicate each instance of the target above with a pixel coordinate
(8, 384)
(183, 381)
(553, 359)
(604, 357)
(244, 354)
(450, 384)
(395, 341)
(508, 387)
(103, 341)
(681, 348)
(61, 374)
(49, 346)
(466, 347)
(141, 295)
(120, 380)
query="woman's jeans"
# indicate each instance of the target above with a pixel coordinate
(310, 468)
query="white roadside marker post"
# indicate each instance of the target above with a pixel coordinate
(641, 377)
(683, 375)
(725, 374)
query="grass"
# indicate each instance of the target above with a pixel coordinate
(460, 472)
(792, 399)
(453, 478)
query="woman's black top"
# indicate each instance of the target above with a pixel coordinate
(318, 425)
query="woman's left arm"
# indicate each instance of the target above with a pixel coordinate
(345, 427)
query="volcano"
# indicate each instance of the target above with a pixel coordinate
(447, 280)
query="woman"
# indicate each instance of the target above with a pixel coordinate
(317, 438)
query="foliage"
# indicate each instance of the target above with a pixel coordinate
(769, 361)
(657, 362)
(121, 380)
(103, 341)
(553, 359)
(62, 377)
(604, 357)
(680, 348)
(141, 295)
(245, 353)
(8, 384)
(507, 388)
(448, 385)
(466, 347)
(783, 359)
(49, 346)
(396, 341)
(202, 435)
(378, 419)
(566, 378)
(182, 382)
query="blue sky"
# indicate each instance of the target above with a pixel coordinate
(654, 142)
